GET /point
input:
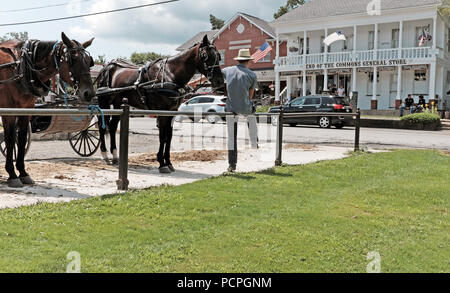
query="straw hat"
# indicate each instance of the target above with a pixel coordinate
(244, 54)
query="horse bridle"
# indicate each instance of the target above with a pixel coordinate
(204, 57)
(67, 56)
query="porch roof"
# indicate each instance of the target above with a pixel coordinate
(325, 8)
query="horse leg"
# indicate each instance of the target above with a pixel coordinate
(9, 128)
(169, 134)
(102, 132)
(112, 135)
(103, 104)
(22, 138)
(163, 168)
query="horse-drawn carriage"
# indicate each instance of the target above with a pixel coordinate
(82, 132)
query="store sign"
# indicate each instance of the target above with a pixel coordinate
(392, 62)
(290, 73)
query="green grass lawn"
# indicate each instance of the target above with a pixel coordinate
(323, 217)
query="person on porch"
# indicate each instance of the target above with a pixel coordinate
(422, 104)
(408, 105)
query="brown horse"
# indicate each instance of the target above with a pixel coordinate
(175, 73)
(25, 72)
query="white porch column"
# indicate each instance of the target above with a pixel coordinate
(432, 91)
(374, 88)
(375, 42)
(305, 37)
(313, 85)
(277, 73)
(399, 82)
(400, 40)
(289, 87)
(354, 72)
(304, 83)
(435, 32)
(325, 71)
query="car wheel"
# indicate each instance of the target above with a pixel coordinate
(324, 122)
(339, 126)
(212, 118)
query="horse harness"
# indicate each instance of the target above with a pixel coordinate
(26, 71)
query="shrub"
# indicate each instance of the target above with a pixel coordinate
(421, 118)
(263, 109)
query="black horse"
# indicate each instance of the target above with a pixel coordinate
(25, 71)
(169, 75)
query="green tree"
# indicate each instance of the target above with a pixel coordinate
(291, 4)
(22, 36)
(216, 23)
(142, 58)
(445, 8)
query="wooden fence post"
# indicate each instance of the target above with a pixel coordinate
(122, 183)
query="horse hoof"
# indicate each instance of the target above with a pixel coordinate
(115, 161)
(27, 180)
(107, 161)
(171, 168)
(15, 183)
(164, 170)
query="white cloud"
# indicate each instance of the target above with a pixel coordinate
(162, 27)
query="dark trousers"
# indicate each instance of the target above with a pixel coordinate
(232, 127)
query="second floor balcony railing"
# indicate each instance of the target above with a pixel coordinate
(291, 62)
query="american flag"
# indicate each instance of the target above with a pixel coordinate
(425, 36)
(262, 52)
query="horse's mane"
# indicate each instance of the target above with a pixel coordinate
(44, 47)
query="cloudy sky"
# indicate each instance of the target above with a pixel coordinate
(157, 28)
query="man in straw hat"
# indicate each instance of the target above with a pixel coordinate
(241, 85)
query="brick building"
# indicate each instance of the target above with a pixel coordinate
(244, 31)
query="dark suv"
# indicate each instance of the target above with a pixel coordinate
(315, 104)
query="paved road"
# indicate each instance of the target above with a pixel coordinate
(144, 138)
(373, 137)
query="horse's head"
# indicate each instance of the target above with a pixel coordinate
(75, 67)
(209, 63)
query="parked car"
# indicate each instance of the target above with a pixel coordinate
(315, 104)
(208, 103)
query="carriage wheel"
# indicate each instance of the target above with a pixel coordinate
(86, 142)
(3, 143)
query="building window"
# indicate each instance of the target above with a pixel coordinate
(395, 38)
(348, 43)
(222, 57)
(448, 41)
(371, 77)
(266, 58)
(371, 40)
(301, 42)
(419, 31)
(420, 75)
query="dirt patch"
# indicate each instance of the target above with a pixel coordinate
(190, 156)
(446, 153)
(305, 147)
(66, 169)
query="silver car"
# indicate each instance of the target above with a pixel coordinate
(207, 104)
